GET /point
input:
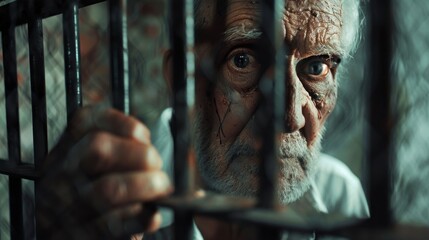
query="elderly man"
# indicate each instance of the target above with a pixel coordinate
(105, 166)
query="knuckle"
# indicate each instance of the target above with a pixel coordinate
(110, 190)
(138, 130)
(100, 146)
(152, 160)
(158, 182)
(99, 152)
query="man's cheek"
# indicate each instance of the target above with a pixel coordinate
(328, 104)
(233, 113)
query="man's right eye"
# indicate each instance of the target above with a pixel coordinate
(241, 60)
(241, 68)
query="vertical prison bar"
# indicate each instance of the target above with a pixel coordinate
(119, 55)
(271, 116)
(72, 56)
(379, 155)
(38, 94)
(179, 10)
(12, 121)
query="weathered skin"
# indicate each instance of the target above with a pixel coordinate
(227, 102)
(104, 167)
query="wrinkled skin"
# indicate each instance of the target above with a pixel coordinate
(227, 143)
(104, 169)
(226, 112)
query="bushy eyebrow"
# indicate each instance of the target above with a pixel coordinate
(242, 32)
(250, 33)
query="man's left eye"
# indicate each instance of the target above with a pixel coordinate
(317, 68)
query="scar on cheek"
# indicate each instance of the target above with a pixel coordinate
(220, 132)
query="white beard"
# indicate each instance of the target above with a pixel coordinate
(240, 176)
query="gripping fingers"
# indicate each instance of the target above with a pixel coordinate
(106, 119)
(116, 122)
(119, 189)
(103, 153)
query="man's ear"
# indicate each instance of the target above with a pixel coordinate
(167, 70)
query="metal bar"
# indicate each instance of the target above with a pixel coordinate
(11, 94)
(13, 130)
(183, 225)
(72, 57)
(46, 8)
(38, 92)
(26, 171)
(271, 114)
(38, 103)
(243, 210)
(119, 55)
(181, 29)
(379, 156)
(180, 115)
(273, 101)
(16, 211)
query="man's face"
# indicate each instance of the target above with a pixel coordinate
(229, 68)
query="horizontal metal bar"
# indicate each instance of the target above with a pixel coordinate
(243, 210)
(24, 170)
(240, 209)
(43, 8)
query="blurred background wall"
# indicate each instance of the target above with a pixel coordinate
(147, 42)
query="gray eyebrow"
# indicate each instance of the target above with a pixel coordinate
(242, 33)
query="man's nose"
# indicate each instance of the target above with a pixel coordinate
(294, 118)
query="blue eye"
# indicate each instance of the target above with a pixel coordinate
(317, 68)
(241, 60)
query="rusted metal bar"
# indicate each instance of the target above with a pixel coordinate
(119, 55)
(380, 124)
(72, 57)
(13, 129)
(181, 29)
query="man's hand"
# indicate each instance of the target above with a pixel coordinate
(96, 180)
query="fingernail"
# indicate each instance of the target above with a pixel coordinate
(167, 184)
(141, 134)
(153, 157)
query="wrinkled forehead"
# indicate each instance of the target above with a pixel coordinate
(309, 25)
